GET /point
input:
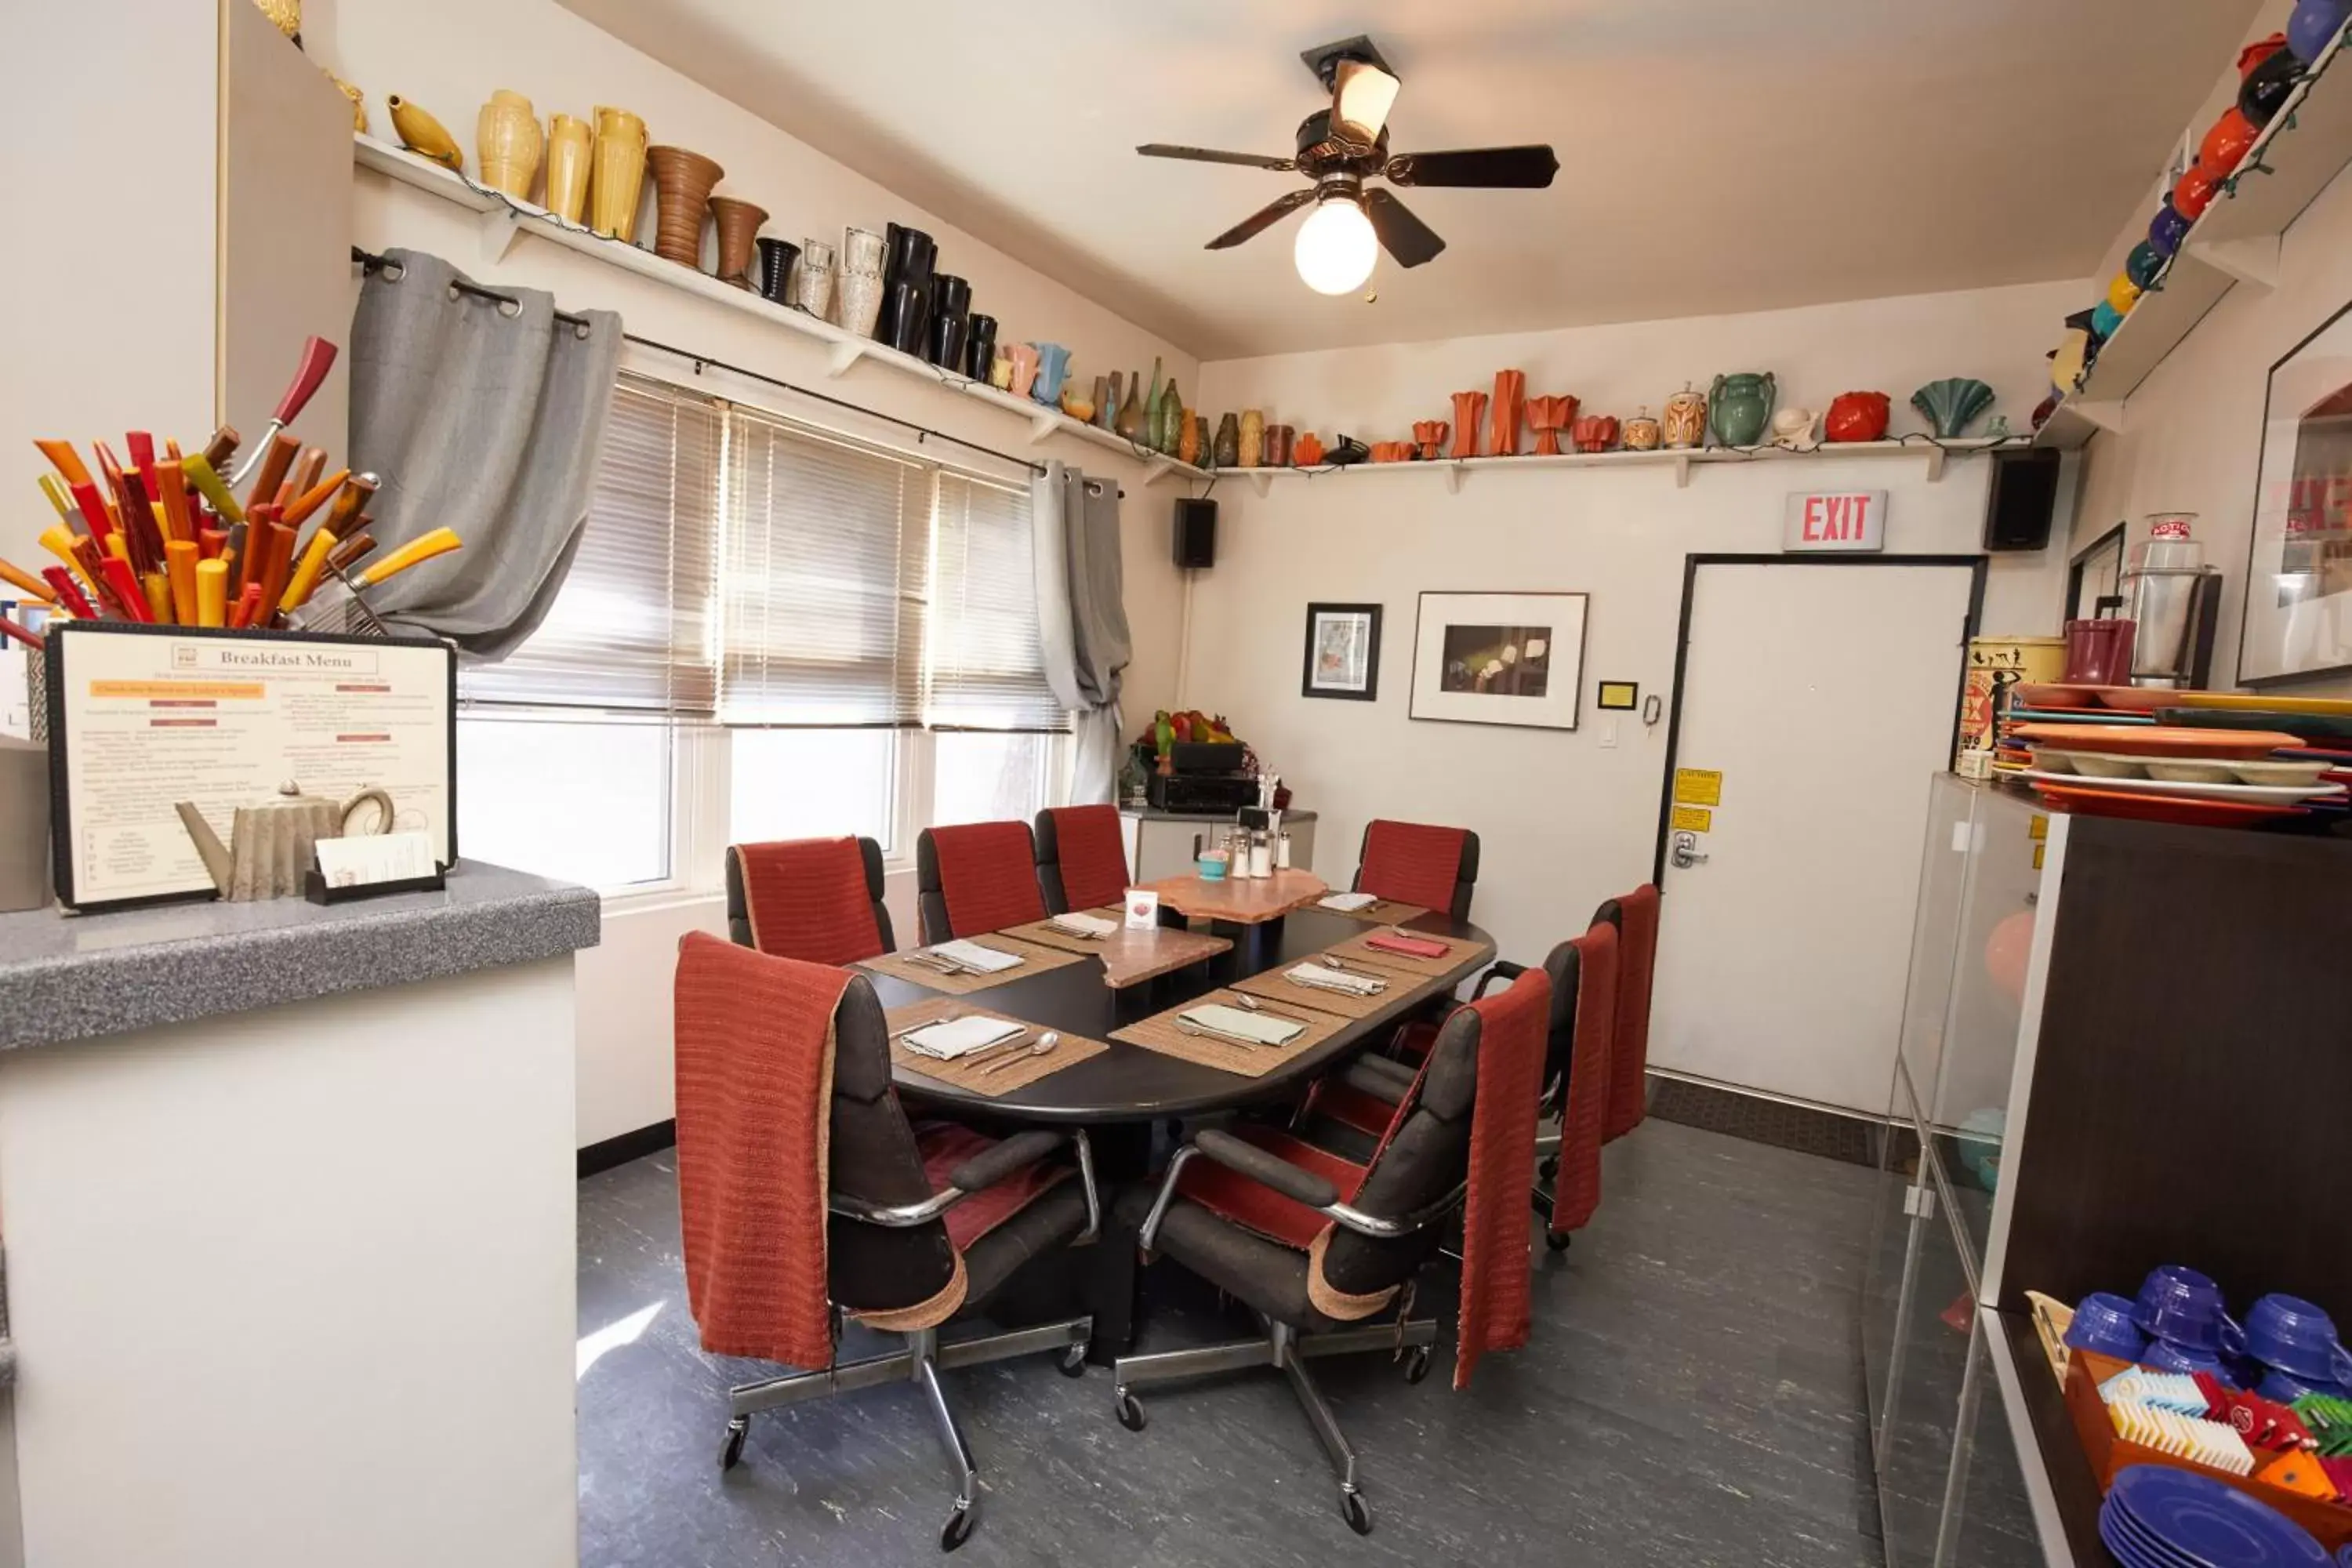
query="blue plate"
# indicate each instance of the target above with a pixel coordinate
(2211, 1524)
(2130, 1548)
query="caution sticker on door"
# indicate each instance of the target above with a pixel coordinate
(1698, 786)
(1691, 819)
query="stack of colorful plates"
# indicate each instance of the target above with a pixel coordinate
(2041, 702)
(2174, 774)
(2157, 1517)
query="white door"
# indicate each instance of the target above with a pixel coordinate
(1824, 694)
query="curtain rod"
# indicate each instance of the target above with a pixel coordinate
(922, 431)
(368, 261)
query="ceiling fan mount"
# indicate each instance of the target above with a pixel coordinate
(1346, 143)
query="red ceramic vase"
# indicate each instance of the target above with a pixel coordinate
(1468, 408)
(2227, 143)
(1594, 432)
(2193, 192)
(1856, 417)
(1547, 416)
(2258, 51)
(1510, 402)
(1430, 434)
(1306, 451)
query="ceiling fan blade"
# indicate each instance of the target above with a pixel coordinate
(1360, 100)
(1496, 168)
(1211, 155)
(1403, 236)
(1265, 218)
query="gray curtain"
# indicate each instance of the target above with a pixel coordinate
(1082, 617)
(481, 418)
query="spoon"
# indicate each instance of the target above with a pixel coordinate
(1249, 1004)
(1046, 1043)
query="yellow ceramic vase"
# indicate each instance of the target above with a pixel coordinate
(617, 173)
(508, 143)
(570, 145)
(423, 134)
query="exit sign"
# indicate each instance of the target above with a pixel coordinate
(1836, 520)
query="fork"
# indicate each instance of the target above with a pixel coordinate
(948, 1015)
(1250, 1004)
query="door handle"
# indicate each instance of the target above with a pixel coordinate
(1684, 854)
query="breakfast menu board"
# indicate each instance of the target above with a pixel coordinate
(143, 717)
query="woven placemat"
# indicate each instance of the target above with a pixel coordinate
(1285, 992)
(1160, 1032)
(1458, 951)
(974, 1077)
(1039, 959)
(1380, 911)
(1044, 935)
(1130, 957)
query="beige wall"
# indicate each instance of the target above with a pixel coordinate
(1566, 819)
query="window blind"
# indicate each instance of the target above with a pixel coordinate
(987, 670)
(827, 566)
(632, 626)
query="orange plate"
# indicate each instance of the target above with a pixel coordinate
(2181, 809)
(2159, 739)
(2133, 699)
(2051, 694)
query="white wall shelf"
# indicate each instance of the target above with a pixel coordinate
(2235, 240)
(504, 221)
(1935, 454)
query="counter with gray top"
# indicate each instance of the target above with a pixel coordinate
(74, 977)
(1160, 842)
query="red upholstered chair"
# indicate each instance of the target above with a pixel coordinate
(979, 876)
(817, 899)
(1635, 916)
(1081, 858)
(1415, 863)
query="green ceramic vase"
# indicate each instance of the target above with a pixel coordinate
(1740, 407)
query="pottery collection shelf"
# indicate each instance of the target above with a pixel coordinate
(504, 221)
(2235, 240)
(1935, 454)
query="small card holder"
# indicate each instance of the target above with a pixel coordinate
(316, 889)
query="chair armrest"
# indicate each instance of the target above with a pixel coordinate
(1001, 1160)
(1366, 1078)
(1281, 1175)
(1501, 969)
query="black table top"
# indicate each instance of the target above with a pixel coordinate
(1130, 1083)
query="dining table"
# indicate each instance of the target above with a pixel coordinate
(1125, 1094)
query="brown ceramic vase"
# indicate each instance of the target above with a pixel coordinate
(739, 222)
(682, 182)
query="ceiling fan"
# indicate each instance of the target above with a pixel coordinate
(1340, 148)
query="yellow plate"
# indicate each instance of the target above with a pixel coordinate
(2256, 701)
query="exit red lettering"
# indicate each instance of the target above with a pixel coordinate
(1834, 520)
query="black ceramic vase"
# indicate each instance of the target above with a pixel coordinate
(776, 258)
(885, 324)
(905, 323)
(2267, 86)
(979, 346)
(950, 311)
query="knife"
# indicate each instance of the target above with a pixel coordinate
(276, 456)
(315, 495)
(27, 582)
(318, 358)
(207, 480)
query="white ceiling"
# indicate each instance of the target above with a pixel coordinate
(1716, 155)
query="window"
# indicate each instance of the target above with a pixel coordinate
(987, 669)
(812, 784)
(579, 799)
(984, 778)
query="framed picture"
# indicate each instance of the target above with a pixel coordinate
(1499, 659)
(1343, 652)
(2298, 615)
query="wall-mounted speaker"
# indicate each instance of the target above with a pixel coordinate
(1196, 534)
(2024, 499)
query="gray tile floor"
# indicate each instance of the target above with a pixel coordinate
(1690, 1396)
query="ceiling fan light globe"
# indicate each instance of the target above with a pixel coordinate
(1362, 101)
(1336, 249)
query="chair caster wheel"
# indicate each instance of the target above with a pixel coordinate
(1416, 1365)
(960, 1526)
(1130, 1414)
(1073, 1361)
(732, 1453)
(1353, 1508)
(1549, 1168)
(1557, 1240)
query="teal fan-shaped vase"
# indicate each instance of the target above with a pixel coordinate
(1951, 405)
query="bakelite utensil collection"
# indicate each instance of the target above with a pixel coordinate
(165, 540)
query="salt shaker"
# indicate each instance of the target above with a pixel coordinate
(1261, 855)
(1282, 852)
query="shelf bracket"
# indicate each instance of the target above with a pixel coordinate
(2254, 261)
(1157, 470)
(1934, 464)
(842, 356)
(1261, 480)
(1453, 478)
(1682, 471)
(500, 225)
(1043, 424)
(2107, 413)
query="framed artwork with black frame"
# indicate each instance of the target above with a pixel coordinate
(1499, 659)
(1343, 653)
(2298, 610)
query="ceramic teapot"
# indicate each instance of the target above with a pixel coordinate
(271, 846)
(1740, 406)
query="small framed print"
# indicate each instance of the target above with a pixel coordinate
(1620, 696)
(1343, 652)
(1499, 659)
(1142, 909)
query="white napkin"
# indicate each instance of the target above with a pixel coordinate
(987, 959)
(1324, 977)
(960, 1037)
(1256, 1026)
(1347, 903)
(1083, 925)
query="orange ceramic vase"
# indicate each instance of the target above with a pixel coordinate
(1430, 434)
(1306, 451)
(1469, 407)
(1510, 402)
(1547, 416)
(682, 182)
